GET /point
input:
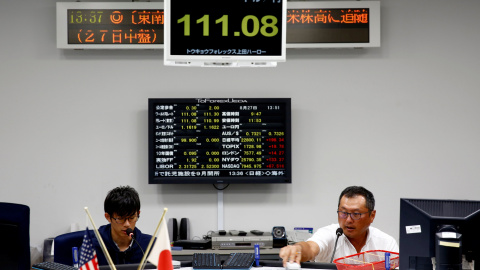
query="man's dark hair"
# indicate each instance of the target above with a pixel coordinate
(123, 201)
(354, 191)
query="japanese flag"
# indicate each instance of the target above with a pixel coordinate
(161, 253)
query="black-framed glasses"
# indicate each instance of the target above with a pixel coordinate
(354, 216)
(122, 220)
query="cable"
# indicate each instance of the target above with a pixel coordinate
(139, 245)
(130, 233)
(208, 236)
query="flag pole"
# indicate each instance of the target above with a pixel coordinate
(142, 262)
(99, 238)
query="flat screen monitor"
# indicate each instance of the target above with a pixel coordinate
(224, 33)
(422, 219)
(219, 140)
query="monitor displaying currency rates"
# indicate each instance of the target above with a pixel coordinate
(219, 140)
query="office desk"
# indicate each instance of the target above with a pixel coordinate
(269, 258)
(186, 254)
(267, 268)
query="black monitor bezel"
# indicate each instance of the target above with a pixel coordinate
(417, 249)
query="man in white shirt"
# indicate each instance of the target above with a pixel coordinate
(356, 211)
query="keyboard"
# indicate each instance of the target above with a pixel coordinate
(235, 261)
(239, 261)
(52, 266)
(206, 261)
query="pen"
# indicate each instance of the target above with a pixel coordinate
(387, 261)
(75, 256)
(257, 255)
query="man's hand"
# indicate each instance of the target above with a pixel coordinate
(291, 253)
(300, 252)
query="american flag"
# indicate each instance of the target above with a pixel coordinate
(88, 256)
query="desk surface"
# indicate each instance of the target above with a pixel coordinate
(262, 268)
(270, 251)
(186, 254)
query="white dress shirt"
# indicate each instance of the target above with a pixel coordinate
(325, 238)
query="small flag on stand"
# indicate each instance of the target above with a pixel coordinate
(88, 256)
(161, 253)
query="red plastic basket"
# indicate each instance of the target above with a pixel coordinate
(368, 260)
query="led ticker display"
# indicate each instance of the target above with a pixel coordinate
(215, 25)
(136, 25)
(102, 26)
(328, 25)
(333, 24)
(219, 141)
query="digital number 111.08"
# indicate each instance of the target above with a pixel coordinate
(268, 26)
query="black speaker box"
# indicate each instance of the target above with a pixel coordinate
(184, 229)
(279, 237)
(172, 229)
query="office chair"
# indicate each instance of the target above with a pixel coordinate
(15, 228)
(62, 246)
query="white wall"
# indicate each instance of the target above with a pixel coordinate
(401, 120)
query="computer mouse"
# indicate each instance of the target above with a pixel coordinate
(292, 266)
